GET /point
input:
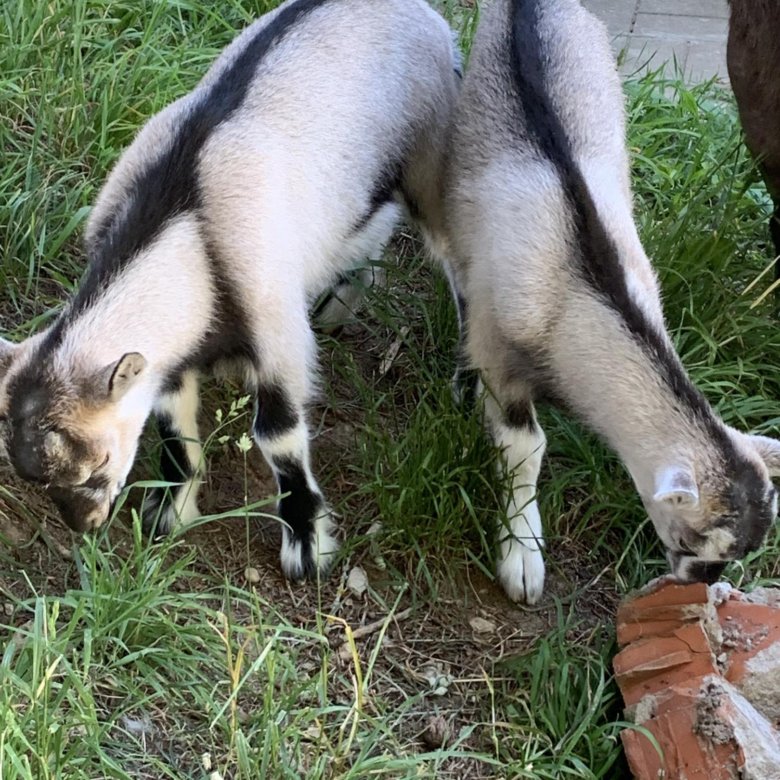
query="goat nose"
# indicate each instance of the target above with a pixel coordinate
(26, 462)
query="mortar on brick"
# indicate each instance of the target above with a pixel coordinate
(758, 741)
(708, 723)
(761, 683)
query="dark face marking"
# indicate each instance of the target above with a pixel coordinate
(598, 260)
(25, 432)
(275, 412)
(696, 570)
(749, 500)
(31, 432)
(81, 508)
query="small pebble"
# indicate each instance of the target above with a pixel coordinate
(252, 575)
(481, 626)
(357, 581)
(437, 733)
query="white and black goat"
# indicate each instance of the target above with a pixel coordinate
(231, 211)
(560, 301)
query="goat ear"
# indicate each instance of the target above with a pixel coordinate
(115, 379)
(7, 351)
(769, 450)
(676, 486)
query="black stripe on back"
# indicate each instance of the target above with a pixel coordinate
(598, 258)
(169, 185)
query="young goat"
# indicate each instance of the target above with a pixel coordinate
(232, 210)
(560, 301)
(753, 55)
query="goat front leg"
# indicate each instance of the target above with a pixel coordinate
(281, 433)
(516, 432)
(180, 458)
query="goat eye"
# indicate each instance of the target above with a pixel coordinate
(105, 460)
(685, 547)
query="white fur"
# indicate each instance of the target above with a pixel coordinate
(324, 545)
(134, 315)
(370, 243)
(520, 564)
(292, 443)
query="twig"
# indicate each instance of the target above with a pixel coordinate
(392, 351)
(51, 542)
(363, 631)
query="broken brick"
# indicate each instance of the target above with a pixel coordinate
(700, 671)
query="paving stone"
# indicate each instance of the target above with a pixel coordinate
(714, 8)
(706, 60)
(618, 15)
(639, 53)
(674, 28)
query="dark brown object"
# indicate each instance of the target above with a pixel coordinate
(753, 58)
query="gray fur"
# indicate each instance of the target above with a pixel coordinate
(544, 316)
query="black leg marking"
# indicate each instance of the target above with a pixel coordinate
(463, 308)
(520, 415)
(275, 412)
(175, 467)
(342, 280)
(298, 510)
(465, 384)
(465, 379)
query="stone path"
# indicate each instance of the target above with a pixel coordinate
(651, 32)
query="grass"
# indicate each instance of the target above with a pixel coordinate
(133, 660)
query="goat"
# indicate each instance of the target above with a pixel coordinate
(559, 300)
(232, 210)
(753, 60)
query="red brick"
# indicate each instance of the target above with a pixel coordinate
(748, 629)
(651, 665)
(669, 677)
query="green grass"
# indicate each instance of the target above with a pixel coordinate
(135, 660)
